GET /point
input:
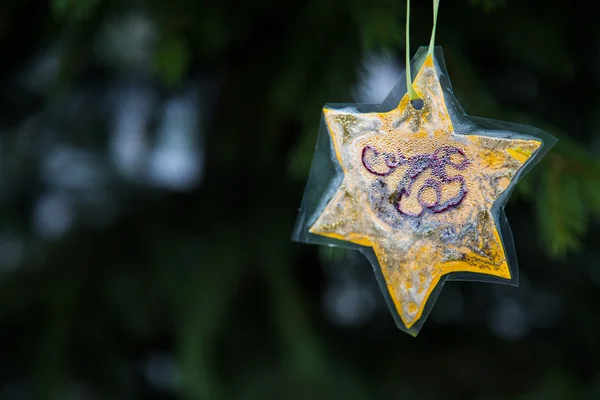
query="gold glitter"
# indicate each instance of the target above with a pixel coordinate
(416, 248)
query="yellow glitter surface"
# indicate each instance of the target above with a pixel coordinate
(419, 194)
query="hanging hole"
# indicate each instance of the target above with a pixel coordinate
(417, 104)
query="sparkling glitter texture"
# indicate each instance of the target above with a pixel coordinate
(420, 194)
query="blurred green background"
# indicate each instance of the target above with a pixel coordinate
(153, 156)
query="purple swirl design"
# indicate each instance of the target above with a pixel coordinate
(417, 165)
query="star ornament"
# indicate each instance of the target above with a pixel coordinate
(419, 190)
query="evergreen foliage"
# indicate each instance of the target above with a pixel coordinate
(116, 285)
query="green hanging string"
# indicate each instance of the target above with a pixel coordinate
(412, 95)
(436, 5)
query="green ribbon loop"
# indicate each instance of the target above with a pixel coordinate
(436, 5)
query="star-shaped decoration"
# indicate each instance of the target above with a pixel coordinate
(425, 196)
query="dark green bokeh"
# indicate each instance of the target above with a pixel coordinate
(199, 293)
